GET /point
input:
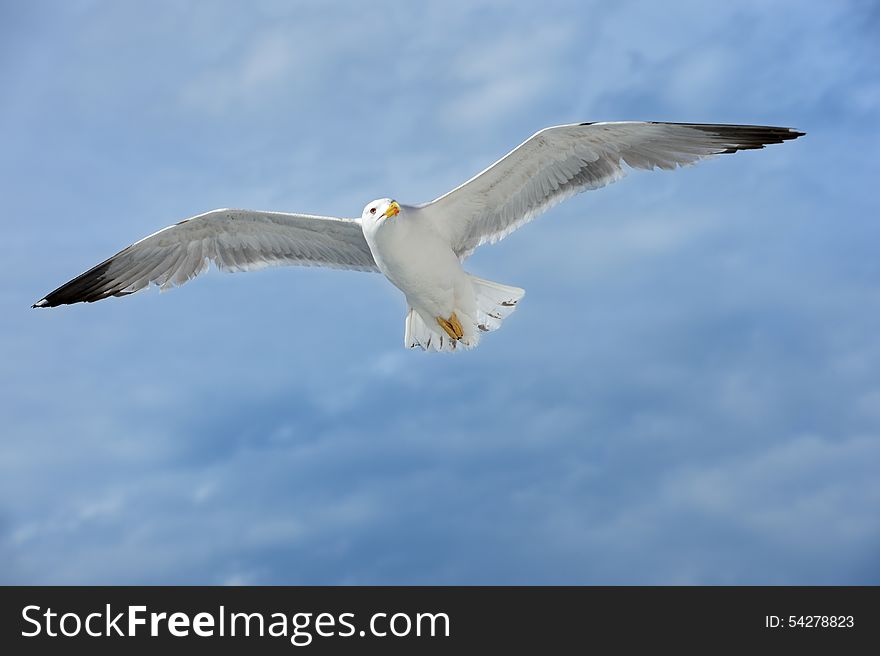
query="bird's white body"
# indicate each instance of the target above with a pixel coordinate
(418, 259)
(420, 249)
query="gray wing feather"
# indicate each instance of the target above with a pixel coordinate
(558, 162)
(234, 240)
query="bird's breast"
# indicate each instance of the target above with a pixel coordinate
(411, 255)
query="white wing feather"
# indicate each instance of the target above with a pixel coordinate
(235, 240)
(558, 162)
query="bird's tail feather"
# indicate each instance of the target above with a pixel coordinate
(419, 335)
(495, 302)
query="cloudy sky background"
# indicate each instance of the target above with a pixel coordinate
(689, 393)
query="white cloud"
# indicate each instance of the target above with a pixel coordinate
(505, 75)
(255, 76)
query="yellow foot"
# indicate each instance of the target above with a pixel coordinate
(456, 326)
(452, 326)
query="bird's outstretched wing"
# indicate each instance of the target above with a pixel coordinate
(558, 162)
(235, 240)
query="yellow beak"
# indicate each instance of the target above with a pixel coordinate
(392, 210)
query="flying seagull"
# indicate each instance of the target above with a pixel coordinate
(421, 248)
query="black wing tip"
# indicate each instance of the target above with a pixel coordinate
(55, 300)
(50, 301)
(751, 134)
(745, 137)
(85, 288)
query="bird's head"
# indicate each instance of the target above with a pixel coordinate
(380, 210)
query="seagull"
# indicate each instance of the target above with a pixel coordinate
(421, 248)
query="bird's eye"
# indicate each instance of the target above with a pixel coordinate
(372, 210)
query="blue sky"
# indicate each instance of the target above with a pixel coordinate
(689, 393)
